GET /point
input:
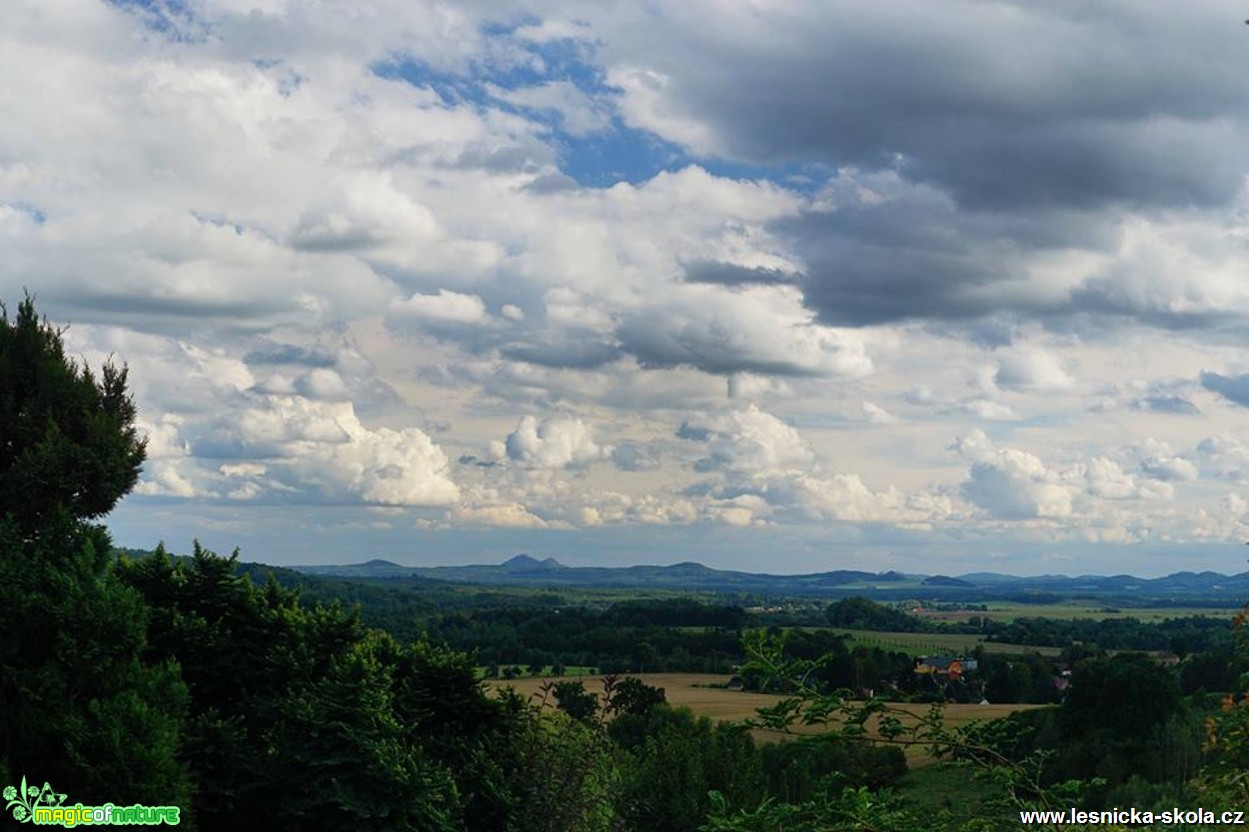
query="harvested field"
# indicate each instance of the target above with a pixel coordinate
(693, 691)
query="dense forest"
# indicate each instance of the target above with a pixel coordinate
(194, 682)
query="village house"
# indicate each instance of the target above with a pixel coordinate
(945, 667)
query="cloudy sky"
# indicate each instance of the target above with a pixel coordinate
(786, 286)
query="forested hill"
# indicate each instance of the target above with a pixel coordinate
(524, 570)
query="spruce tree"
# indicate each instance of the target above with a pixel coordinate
(68, 441)
(81, 707)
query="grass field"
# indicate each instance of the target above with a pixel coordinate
(922, 644)
(1003, 611)
(946, 787)
(694, 691)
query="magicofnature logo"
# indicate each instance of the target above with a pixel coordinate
(46, 807)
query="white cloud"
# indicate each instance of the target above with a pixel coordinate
(846, 497)
(1010, 483)
(427, 248)
(321, 383)
(555, 442)
(320, 451)
(579, 114)
(508, 515)
(1224, 456)
(877, 415)
(1159, 462)
(644, 104)
(1032, 370)
(448, 306)
(764, 330)
(748, 441)
(1016, 485)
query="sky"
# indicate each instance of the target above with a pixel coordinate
(935, 287)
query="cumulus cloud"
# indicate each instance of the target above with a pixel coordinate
(320, 451)
(763, 330)
(1225, 456)
(1010, 483)
(637, 456)
(453, 307)
(764, 470)
(847, 498)
(747, 440)
(318, 236)
(506, 515)
(1016, 485)
(554, 442)
(1033, 370)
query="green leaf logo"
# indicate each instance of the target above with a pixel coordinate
(23, 799)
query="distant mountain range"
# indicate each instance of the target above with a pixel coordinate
(524, 570)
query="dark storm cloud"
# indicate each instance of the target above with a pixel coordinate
(111, 308)
(1233, 388)
(730, 274)
(971, 139)
(569, 350)
(270, 352)
(888, 250)
(1003, 105)
(1167, 404)
(637, 456)
(693, 433)
(666, 342)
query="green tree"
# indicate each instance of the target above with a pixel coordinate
(560, 772)
(67, 439)
(633, 696)
(670, 767)
(303, 719)
(1223, 782)
(1126, 695)
(80, 705)
(573, 699)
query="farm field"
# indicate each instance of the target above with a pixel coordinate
(921, 644)
(1003, 611)
(691, 690)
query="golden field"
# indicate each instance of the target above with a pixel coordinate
(694, 691)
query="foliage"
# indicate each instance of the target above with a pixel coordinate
(800, 770)
(859, 613)
(834, 665)
(851, 810)
(634, 697)
(562, 776)
(80, 704)
(1225, 781)
(69, 441)
(1182, 635)
(671, 762)
(573, 699)
(624, 637)
(302, 717)
(1114, 705)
